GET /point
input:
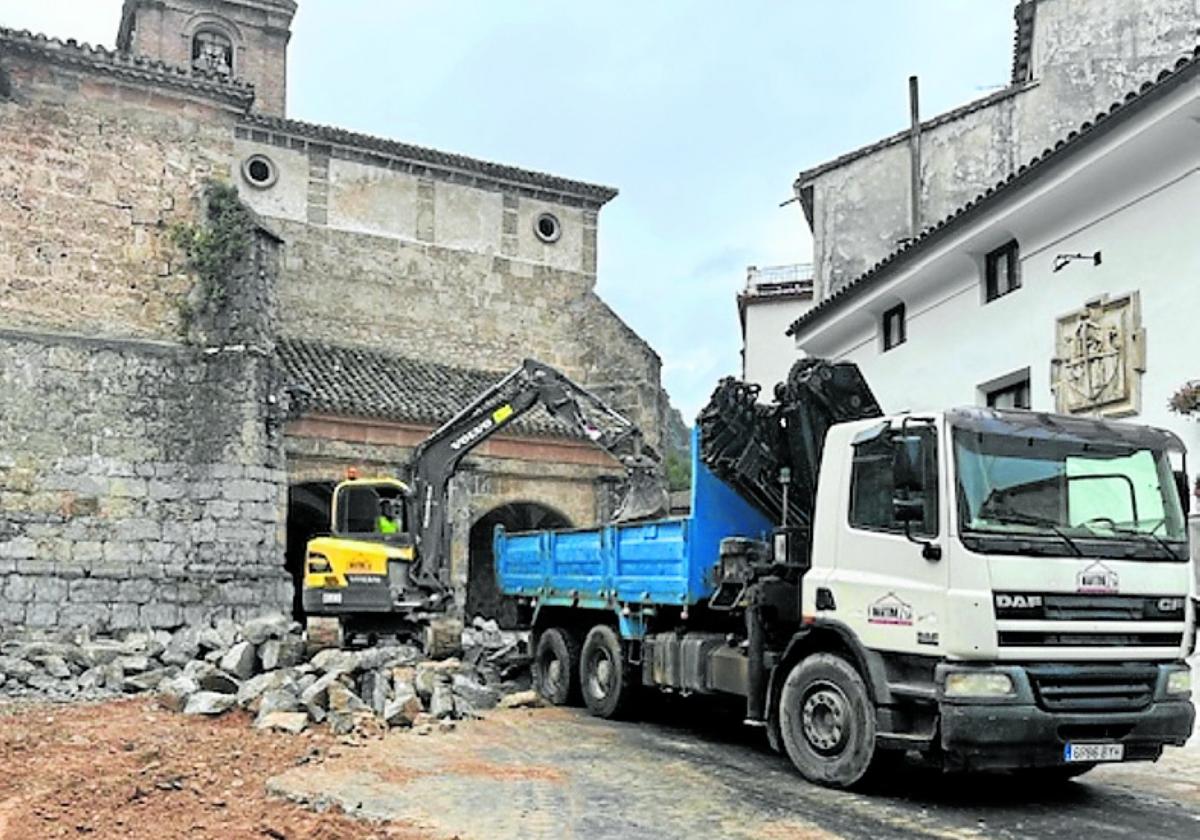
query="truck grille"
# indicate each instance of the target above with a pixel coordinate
(1037, 638)
(1038, 606)
(1064, 688)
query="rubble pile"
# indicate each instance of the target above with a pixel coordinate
(263, 666)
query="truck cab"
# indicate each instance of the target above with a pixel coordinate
(1023, 578)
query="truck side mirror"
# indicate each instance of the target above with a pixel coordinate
(908, 509)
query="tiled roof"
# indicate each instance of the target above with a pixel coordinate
(357, 382)
(127, 67)
(551, 184)
(1024, 15)
(1134, 102)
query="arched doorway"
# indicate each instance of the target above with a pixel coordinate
(483, 596)
(308, 515)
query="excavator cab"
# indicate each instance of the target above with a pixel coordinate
(362, 566)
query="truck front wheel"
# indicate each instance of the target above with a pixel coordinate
(606, 680)
(556, 666)
(827, 721)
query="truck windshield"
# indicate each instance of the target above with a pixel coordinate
(1067, 496)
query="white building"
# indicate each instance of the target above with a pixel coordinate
(1072, 286)
(774, 297)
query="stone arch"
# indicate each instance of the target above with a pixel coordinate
(307, 516)
(483, 597)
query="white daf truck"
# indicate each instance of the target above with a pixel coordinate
(983, 589)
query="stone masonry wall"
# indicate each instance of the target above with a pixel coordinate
(141, 466)
(133, 489)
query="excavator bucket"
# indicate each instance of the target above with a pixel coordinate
(645, 496)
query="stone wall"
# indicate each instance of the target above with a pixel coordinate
(1086, 55)
(138, 482)
(141, 466)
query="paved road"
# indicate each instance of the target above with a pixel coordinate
(557, 773)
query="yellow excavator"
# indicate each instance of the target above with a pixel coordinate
(384, 568)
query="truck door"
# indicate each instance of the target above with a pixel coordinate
(888, 585)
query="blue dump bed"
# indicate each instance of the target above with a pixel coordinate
(662, 561)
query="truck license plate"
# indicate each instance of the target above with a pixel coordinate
(1094, 752)
(331, 597)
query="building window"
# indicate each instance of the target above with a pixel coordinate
(547, 227)
(1013, 395)
(212, 52)
(259, 171)
(894, 328)
(1001, 271)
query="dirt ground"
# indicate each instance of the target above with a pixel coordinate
(129, 769)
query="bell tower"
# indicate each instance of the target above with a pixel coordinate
(241, 39)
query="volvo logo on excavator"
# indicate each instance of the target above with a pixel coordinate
(471, 434)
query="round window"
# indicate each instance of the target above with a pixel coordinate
(259, 171)
(547, 227)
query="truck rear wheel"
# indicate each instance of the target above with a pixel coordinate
(556, 666)
(827, 721)
(606, 680)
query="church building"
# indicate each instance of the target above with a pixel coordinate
(169, 439)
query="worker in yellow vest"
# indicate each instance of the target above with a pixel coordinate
(388, 521)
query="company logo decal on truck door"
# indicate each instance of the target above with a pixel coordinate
(890, 609)
(1097, 579)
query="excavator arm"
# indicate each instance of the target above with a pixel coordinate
(436, 460)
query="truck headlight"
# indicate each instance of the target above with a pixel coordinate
(1179, 682)
(979, 684)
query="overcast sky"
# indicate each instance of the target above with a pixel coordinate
(700, 111)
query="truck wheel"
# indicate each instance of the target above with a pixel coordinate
(605, 679)
(556, 666)
(827, 721)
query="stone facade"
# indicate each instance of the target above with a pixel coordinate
(1073, 59)
(146, 444)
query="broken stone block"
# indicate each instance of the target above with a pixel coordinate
(292, 722)
(17, 669)
(145, 681)
(335, 661)
(441, 702)
(280, 653)
(209, 703)
(239, 660)
(279, 700)
(100, 652)
(521, 700)
(478, 696)
(390, 655)
(443, 637)
(55, 666)
(218, 682)
(374, 687)
(183, 646)
(403, 710)
(274, 626)
(255, 687)
(173, 692)
(342, 699)
(315, 698)
(134, 664)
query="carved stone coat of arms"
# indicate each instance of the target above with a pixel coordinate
(1099, 358)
